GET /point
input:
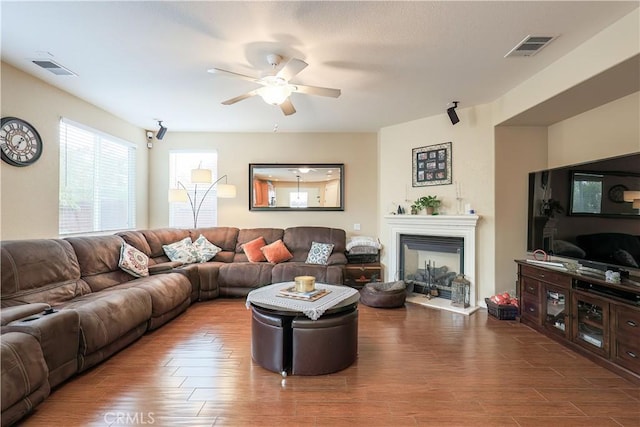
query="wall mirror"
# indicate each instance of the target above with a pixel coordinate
(296, 186)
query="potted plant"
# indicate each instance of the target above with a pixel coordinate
(430, 203)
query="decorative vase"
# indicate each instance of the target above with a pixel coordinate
(429, 210)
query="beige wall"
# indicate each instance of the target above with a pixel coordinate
(473, 168)
(29, 195)
(358, 152)
(607, 131)
(518, 151)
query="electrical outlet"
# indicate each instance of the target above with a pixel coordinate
(356, 227)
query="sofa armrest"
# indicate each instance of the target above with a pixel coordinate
(164, 267)
(59, 336)
(9, 314)
(337, 258)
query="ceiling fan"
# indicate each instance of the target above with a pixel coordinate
(276, 88)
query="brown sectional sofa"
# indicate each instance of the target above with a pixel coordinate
(69, 299)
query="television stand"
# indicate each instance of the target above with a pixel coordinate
(597, 319)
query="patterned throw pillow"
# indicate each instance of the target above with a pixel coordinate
(205, 249)
(182, 251)
(276, 252)
(133, 261)
(252, 249)
(319, 253)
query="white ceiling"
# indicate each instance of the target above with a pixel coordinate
(394, 61)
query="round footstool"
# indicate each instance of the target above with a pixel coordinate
(384, 295)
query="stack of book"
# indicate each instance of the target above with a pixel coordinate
(291, 292)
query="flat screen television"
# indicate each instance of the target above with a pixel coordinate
(579, 212)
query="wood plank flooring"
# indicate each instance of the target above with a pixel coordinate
(416, 366)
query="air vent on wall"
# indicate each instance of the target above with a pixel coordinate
(53, 67)
(530, 46)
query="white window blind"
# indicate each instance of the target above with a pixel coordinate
(180, 165)
(97, 181)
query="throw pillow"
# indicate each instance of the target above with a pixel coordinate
(252, 249)
(276, 252)
(205, 250)
(133, 261)
(319, 253)
(182, 251)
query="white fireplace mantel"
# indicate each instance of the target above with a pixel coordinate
(435, 225)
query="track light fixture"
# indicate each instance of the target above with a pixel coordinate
(451, 111)
(161, 131)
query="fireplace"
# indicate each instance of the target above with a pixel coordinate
(430, 263)
(450, 241)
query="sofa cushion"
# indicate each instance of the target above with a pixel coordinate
(98, 257)
(288, 271)
(252, 249)
(39, 270)
(223, 237)
(133, 261)
(108, 315)
(182, 251)
(299, 240)
(162, 236)
(319, 253)
(205, 250)
(276, 252)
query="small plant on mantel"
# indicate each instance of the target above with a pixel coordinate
(430, 203)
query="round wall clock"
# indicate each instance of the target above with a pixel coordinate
(616, 193)
(20, 143)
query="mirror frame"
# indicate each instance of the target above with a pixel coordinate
(254, 166)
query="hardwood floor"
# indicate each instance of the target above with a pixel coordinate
(416, 367)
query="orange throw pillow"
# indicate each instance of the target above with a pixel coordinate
(252, 249)
(276, 252)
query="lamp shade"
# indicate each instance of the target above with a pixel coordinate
(226, 191)
(630, 196)
(178, 195)
(201, 176)
(636, 204)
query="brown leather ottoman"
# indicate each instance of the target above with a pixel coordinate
(326, 345)
(270, 341)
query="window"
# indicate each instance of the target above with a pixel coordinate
(97, 181)
(180, 165)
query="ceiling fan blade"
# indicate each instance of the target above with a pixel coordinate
(240, 98)
(287, 107)
(315, 90)
(232, 74)
(291, 68)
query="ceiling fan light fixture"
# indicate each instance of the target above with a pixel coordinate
(274, 94)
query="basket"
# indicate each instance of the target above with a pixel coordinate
(362, 258)
(501, 312)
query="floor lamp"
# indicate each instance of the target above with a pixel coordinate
(201, 176)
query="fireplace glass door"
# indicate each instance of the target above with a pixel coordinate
(430, 263)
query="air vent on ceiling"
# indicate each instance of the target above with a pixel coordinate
(530, 46)
(53, 67)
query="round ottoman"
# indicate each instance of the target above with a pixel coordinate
(384, 295)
